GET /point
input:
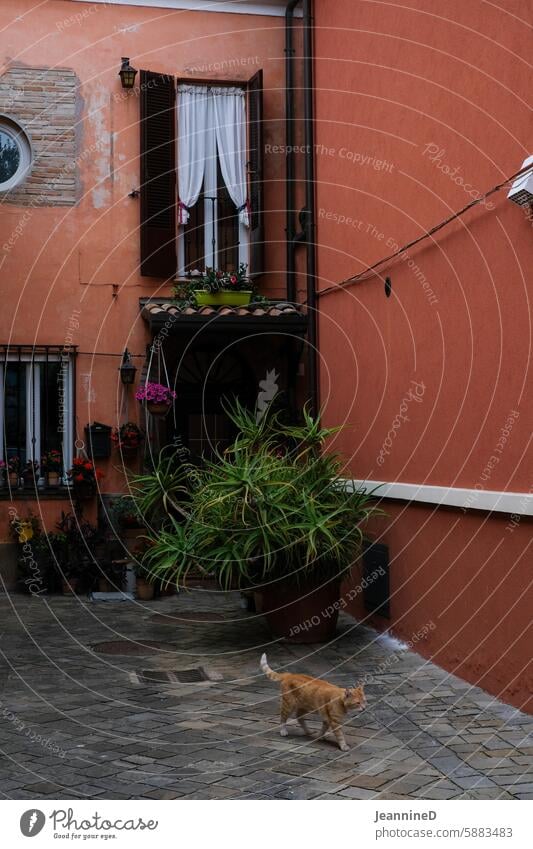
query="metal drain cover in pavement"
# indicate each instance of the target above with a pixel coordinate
(176, 676)
(186, 616)
(131, 647)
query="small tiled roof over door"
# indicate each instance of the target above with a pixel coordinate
(274, 315)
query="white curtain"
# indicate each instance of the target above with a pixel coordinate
(230, 126)
(193, 122)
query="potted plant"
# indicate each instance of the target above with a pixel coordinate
(127, 438)
(156, 397)
(84, 478)
(13, 470)
(77, 565)
(29, 473)
(273, 513)
(51, 465)
(161, 491)
(144, 589)
(2, 473)
(124, 514)
(224, 288)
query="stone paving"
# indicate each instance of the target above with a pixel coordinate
(77, 724)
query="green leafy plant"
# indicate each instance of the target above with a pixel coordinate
(52, 461)
(123, 512)
(273, 506)
(80, 539)
(214, 281)
(158, 493)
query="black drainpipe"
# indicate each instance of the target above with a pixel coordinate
(307, 215)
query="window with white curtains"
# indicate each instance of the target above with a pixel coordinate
(213, 207)
(36, 405)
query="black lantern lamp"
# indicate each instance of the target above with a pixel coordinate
(127, 369)
(127, 74)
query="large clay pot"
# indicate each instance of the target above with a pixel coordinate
(302, 613)
(53, 479)
(144, 590)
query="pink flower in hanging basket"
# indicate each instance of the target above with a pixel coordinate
(155, 393)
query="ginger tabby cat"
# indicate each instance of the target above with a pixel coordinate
(302, 694)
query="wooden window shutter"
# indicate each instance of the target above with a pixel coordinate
(255, 165)
(158, 175)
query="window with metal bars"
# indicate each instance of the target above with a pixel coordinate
(36, 406)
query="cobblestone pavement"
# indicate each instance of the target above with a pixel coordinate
(77, 724)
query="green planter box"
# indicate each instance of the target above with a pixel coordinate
(223, 299)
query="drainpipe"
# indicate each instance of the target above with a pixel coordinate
(289, 142)
(307, 215)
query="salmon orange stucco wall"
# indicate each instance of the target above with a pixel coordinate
(420, 109)
(81, 258)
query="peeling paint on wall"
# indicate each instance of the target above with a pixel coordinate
(98, 113)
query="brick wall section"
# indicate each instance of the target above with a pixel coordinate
(43, 102)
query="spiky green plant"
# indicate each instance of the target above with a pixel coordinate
(161, 493)
(272, 506)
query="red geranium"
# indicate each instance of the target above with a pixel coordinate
(83, 470)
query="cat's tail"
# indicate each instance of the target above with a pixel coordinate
(274, 676)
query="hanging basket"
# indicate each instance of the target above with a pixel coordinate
(158, 410)
(129, 450)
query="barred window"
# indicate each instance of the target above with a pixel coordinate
(37, 405)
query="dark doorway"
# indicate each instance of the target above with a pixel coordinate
(208, 379)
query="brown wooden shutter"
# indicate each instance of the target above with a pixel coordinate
(158, 175)
(255, 165)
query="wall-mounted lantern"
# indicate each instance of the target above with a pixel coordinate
(127, 74)
(127, 369)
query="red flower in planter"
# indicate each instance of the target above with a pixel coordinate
(83, 470)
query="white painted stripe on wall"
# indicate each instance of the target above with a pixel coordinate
(519, 503)
(239, 7)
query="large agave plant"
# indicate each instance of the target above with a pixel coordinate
(273, 505)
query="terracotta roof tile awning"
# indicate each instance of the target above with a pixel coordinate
(282, 316)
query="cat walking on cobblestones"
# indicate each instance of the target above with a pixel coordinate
(302, 695)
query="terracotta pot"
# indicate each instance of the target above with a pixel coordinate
(14, 479)
(157, 409)
(70, 586)
(144, 590)
(225, 298)
(302, 613)
(53, 479)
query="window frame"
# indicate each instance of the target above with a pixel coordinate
(28, 355)
(13, 129)
(210, 188)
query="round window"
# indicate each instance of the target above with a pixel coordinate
(15, 153)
